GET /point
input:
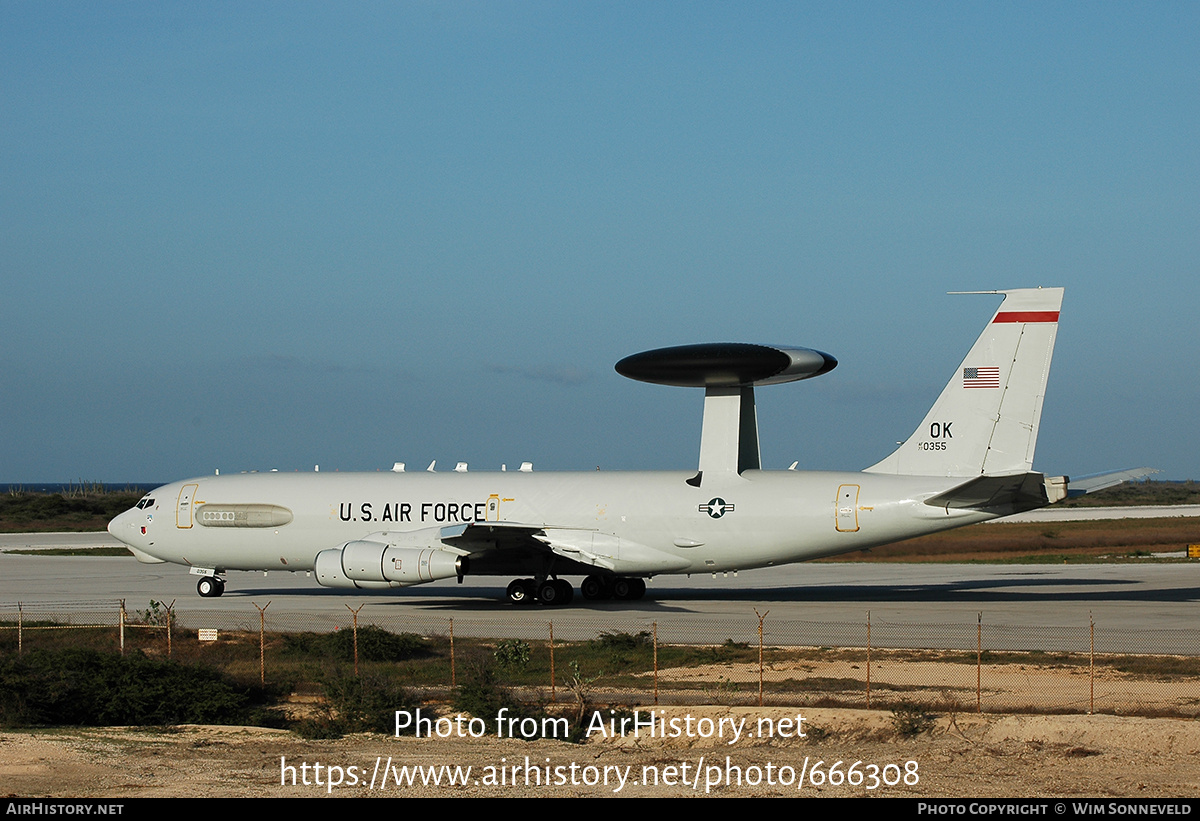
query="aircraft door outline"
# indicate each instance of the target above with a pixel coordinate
(183, 508)
(847, 508)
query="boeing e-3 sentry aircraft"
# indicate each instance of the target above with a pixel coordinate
(970, 460)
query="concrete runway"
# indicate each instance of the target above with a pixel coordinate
(1136, 608)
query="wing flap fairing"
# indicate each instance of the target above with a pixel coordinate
(1002, 495)
(587, 547)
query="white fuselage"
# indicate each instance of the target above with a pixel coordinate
(757, 519)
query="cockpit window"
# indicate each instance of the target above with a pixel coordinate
(145, 503)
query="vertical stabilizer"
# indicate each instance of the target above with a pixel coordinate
(986, 419)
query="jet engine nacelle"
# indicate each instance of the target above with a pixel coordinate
(369, 565)
(330, 573)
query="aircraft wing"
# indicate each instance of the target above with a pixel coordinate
(474, 537)
(589, 547)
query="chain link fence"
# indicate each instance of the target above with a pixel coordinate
(615, 659)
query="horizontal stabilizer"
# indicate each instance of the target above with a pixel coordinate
(1001, 495)
(1099, 481)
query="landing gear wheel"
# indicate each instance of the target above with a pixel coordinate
(520, 591)
(555, 592)
(639, 589)
(210, 587)
(595, 588)
(629, 589)
(622, 588)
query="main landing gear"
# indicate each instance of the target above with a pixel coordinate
(621, 588)
(210, 586)
(558, 592)
(550, 592)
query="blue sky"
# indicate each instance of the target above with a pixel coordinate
(273, 235)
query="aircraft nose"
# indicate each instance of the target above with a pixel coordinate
(119, 527)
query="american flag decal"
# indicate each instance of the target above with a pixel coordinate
(981, 377)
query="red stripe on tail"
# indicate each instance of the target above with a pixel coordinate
(1026, 316)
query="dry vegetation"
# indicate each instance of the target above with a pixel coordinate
(1057, 542)
(1140, 493)
(924, 713)
(81, 508)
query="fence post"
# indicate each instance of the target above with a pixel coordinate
(262, 642)
(170, 621)
(760, 654)
(20, 629)
(655, 625)
(1092, 666)
(979, 663)
(452, 679)
(355, 637)
(868, 659)
(121, 631)
(553, 691)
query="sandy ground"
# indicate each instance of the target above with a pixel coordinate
(704, 749)
(992, 687)
(963, 755)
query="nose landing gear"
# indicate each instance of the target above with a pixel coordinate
(210, 586)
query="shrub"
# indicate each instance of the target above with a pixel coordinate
(374, 644)
(377, 644)
(155, 615)
(89, 688)
(512, 654)
(482, 696)
(910, 720)
(623, 648)
(366, 703)
(622, 641)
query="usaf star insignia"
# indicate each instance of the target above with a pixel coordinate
(716, 508)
